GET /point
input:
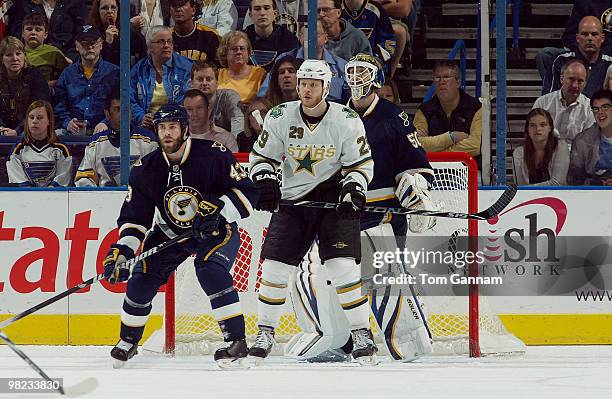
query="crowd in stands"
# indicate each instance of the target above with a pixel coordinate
(59, 79)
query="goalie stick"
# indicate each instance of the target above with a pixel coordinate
(487, 214)
(95, 279)
(82, 388)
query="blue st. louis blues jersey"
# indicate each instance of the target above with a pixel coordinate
(168, 193)
(395, 150)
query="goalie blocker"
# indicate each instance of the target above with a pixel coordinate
(399, 316)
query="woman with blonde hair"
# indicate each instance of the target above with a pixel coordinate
(543, 160)
(20, 85)
(234, 52)
(39, 160)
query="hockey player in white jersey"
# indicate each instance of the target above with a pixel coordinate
(324, 155)
(101, 164)
(402, 176)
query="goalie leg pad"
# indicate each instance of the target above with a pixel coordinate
(346, 277)
(272, 291)
(318, 312)
(396, 311)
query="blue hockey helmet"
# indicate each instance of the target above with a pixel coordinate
(363, 72)
(171, 113)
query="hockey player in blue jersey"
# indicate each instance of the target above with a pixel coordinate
(192, 184)
(402, 177)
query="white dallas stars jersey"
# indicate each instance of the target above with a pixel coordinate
(310, 155)
(101, 164)
(40, 165)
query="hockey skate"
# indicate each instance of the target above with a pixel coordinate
(122, 352)
(264, 343)
(364, 348)
(233, 356)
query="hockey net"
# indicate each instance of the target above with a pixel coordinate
(459, 325)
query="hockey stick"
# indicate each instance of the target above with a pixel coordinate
(130, 262)
(81, 388)
(487, 214)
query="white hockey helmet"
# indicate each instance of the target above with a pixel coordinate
(315, 69)
(363, 72)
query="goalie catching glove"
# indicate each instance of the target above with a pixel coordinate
(266, 183)
(352, 200)
(208, 221)
(115, 268)
(413, 193)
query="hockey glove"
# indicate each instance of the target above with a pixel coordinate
(208, 221)
(266, 183)
(115, 268)
(413, 193)
(352, 200)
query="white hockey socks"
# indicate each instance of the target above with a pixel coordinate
(272, 291)
(346, 277)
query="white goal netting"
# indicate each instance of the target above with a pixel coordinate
(449, 317)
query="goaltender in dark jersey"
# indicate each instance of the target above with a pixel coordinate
(395, 149)
(207, 167)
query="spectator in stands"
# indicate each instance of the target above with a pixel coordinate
(146, 14)
(200, 125)
(543, 159)
(569, 108)
(608, 79)
(288, 15)
(590, 38)
(343, 39)
(65, 18)
(221, 15)
(253, 123)
(83, 87)
(101, 164)
(373, 20)
(396, 10)
(389, 91)
(191, 40)
(591, 155)
(223, 104)
(598, 8)
(105, 16)
(452, 119)
(339, 90)
(267, 38)
(283, 80)
(20, 85)
(160, 78)
(48, 59)
(39, 160)
(237, 74)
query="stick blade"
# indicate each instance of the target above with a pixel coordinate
(501, 203)
(82, 388)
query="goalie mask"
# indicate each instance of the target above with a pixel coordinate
(318, 70)
(362, 72)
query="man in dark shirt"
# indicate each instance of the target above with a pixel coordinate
(267, 38)
(194, 41)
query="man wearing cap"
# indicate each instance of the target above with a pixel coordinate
(83, 87)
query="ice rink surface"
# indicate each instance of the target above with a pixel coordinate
(554, 372)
